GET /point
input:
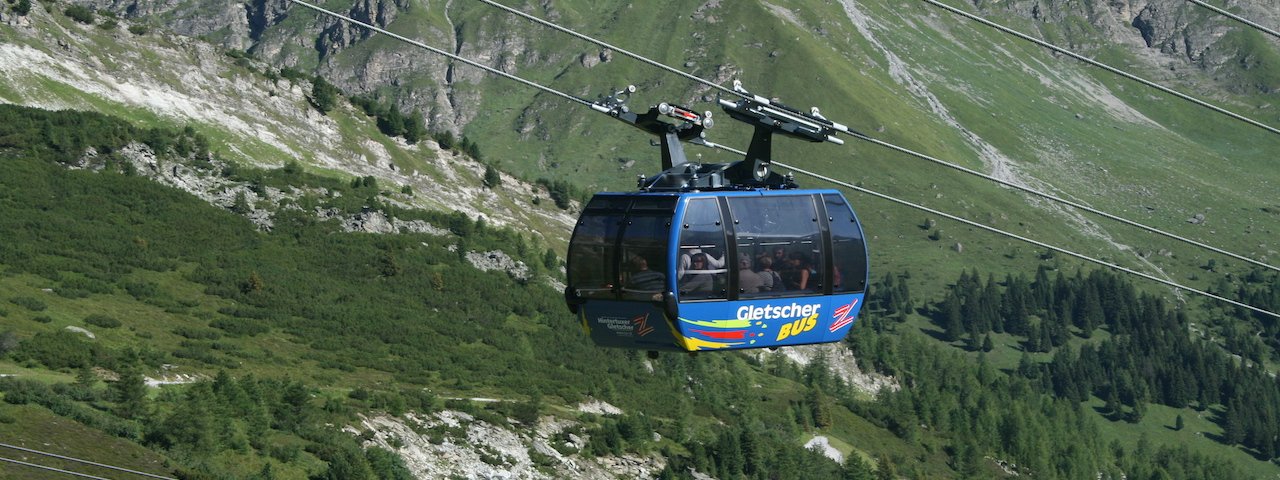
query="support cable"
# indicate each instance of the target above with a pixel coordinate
(861, 136)
(1104, 66)
(837, 182)
(103, 465)
(1236, 18)
(1028, 240)
(52, 469)
(601, 43)
(451, 56)
(1069, 203)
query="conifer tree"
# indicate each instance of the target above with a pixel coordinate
(130, 393)
(323, 94)
(953, 326)
(492, 179)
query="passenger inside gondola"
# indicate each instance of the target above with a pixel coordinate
(799, 273)
(770, 281)
(642, 279)
(748, 280)
(699, 278)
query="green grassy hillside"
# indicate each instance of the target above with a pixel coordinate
(315, 326)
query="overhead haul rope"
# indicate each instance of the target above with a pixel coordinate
(837, 182)
(1104, 66)
(451, 56)
(51, 469)
(1236, 18)
(1033, 242)
(62, 457)
(853, 133)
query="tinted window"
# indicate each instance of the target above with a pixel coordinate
(848, 249)
(591, 254)
(644, 257)
(701, 273)
(780, 238)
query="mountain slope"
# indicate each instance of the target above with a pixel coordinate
(367, 322)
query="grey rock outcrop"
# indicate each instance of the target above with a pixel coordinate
(1181, 33)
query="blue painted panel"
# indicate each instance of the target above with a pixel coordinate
(637, 325)
(770, 322)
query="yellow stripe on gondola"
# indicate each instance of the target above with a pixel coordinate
(693, 344)
(735, 323)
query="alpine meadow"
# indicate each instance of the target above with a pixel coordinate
(248, 240)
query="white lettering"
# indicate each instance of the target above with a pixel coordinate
(772, 312)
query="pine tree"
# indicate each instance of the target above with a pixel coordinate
(855, 468)
(130, 393)
(819, 408)
(492, 179)
(550, 260)
(323, 94)
(241, 204)
(952, 318)
(885, 469)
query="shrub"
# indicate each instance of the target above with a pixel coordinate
(139, 29)
(108, 24)
(100, 320)
(240, 326)
(80, 14)
(324, 94)
(141, 290)
(22, 8)
(57, 350)
(30, 303)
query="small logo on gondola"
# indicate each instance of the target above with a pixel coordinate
(843, 316)
(642, 325)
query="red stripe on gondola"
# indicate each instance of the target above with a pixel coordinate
(729, 335)
(841, 324)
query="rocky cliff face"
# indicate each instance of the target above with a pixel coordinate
(268, 122)
(1165, 33)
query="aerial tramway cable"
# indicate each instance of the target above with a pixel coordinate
(811, 174)
(853, 133)
(451, 56)
(1104, 66)
(73, 459)
(51, 469)
(1031, 241)
(1236, 18)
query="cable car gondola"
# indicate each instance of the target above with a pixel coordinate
(717, 256)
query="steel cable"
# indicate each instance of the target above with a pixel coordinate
(892, 146)
(1236, 18)
(1104, 66)
(837, 182)
(73, 459)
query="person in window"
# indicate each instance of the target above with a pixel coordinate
(769, 279)
(699, 278)
(643, 279)
(780, 257)
(748, 281)
(799, 272)
(687, 258)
